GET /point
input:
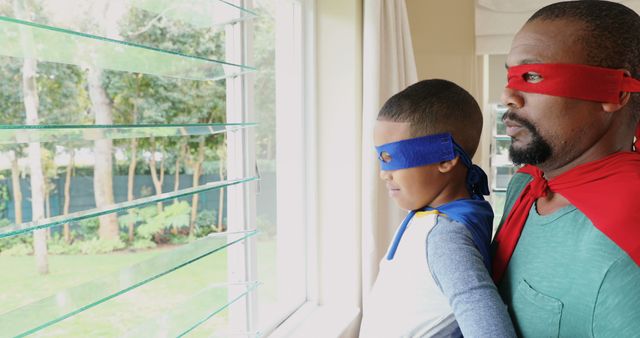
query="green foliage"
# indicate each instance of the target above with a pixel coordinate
(19, 249)
(143, 244)
(205, 223)
(141, 98)
(5, 197)
(97, 246)
(138, 98)
(137, 216)
(178, 239)
(207, 218)
(11, 91)
(62, 94)
(152, 224)
(177, 214)
(58, 246)
(212, 167)
(86, 229)
(15, 244)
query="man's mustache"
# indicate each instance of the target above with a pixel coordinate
(510, 115)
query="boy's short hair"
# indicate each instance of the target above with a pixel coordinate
(437, 106)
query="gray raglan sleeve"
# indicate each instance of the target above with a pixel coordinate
(458, 269)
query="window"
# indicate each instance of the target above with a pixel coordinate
(502, 169)
(154, 181)
(281, 141)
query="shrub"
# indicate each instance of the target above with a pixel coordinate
(142, 244)
(97, 246)
(20, 249)
(8, 243)
(173, 216)
(58, 246)
(86, 229)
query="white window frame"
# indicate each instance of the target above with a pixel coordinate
(241, 199)
(294, 161)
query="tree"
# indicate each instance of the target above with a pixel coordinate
(30, 98)
(103, 114)
(13, 114)
(63, 100)
(165, 100)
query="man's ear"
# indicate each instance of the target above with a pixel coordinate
(447, 166)
(613, 107)
(624, 98)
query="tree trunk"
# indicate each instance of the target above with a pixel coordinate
(176, 181)
(30, 93)
(157, 182)
(103, 149)
(197, 167)
(47, 207)
(131, 181)
(31, 103)
(17, 190)
(67, 195)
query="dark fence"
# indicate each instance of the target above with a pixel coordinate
(82, 196)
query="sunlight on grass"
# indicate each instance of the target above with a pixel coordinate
(117, 316)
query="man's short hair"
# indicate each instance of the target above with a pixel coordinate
(611, 35)
(437, 106)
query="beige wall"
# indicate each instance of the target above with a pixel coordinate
(496, 77)
(443, 36)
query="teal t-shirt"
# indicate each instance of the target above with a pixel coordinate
(567, 279)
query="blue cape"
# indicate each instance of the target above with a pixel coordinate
(476, 215)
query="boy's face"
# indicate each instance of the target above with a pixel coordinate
(412, 188)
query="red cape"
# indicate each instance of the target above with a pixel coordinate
(607, 191)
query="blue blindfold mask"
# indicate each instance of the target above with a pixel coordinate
(431, 149)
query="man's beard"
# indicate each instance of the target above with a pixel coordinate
(536, 152)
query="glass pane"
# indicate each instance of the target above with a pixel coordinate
(23, 39)
(191, 27)
(195, 313)
(266, 148)
(200, 13)
(13, 134)
(74, 96)
(72, 300)
(497, 201)
(502, 176)
(499, 129)
(13, 230)
(280, 154)
(85, 179)
(501, 151)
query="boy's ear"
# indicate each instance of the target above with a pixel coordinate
(447, 166)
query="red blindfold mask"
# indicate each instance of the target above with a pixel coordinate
(574, 81)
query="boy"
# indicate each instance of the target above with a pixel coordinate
(434, 280)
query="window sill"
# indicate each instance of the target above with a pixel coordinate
(313, 320)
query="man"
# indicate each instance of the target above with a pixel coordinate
(567, 253)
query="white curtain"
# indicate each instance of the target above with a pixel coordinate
(388, 67)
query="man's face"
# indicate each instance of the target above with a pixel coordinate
(549, 131)
(411, 188)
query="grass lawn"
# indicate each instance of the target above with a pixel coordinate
(178, 294)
